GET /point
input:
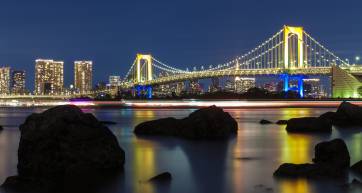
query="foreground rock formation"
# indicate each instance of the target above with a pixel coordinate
(331, 160)
(64, 146)
(206, 123)
(308, 124)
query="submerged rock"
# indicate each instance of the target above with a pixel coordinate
(331, 160)
(357, 167)
(206, 123)
(161, 178)
(64, 145)
(282, 122)
(308, 124)
(265, 122)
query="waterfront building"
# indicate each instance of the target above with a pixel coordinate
(242, 85)
(312, 87)
(195, 87)
(180, 88)
(271, 87)
(114, 81)
(49, 78)
(83, 76)
(4, 80)
(18, 82)
(215, 85)
(229, 86)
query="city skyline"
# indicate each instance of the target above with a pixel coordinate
(197, 35)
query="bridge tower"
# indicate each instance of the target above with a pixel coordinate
(298, 31)
(144, 70)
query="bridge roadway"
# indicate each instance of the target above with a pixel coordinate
(246, 72)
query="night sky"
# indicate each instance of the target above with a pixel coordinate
(184, 33)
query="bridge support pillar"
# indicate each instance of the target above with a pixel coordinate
(286, 82)
(300, 86)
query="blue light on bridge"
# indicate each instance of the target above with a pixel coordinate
(286, 79)
(144, 91)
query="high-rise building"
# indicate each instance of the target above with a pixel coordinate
(215, 85)
(229, 86)
(49, 78)
(83, 76)
(244, 84)
(18, 82)
(4, 80)
(180, 87)
(312, 87)
(114, 81)
(195, 87)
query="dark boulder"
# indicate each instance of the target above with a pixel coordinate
(161, 178)
(329, 116)
(347, 115)
(331, 160)
(206, 123)
(357, 167)
(282, 122)
(166, 126)
(265, 122)
(308, 124)
(350, 112)
(332, 153)
(1, 128)
(61, 146)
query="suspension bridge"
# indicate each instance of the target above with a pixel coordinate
(291, 52)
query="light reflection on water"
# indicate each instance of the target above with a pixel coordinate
(244, 163)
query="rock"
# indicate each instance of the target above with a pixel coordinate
(206, 123)
(350, 112)
(334, 153)
(166, 126)
(308, 124)
(329, 116)
(64, 145)
(1, 128)
(282, 122)
(331, 160)
(357, 167)
(161, 178)
(294, 170)
(264, 122)
(347, 115)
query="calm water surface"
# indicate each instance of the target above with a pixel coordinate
(202, 166)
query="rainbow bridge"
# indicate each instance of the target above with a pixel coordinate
(291, 52)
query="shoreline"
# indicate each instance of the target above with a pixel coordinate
(180, 104)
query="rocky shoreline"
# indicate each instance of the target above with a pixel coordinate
(63, 147)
